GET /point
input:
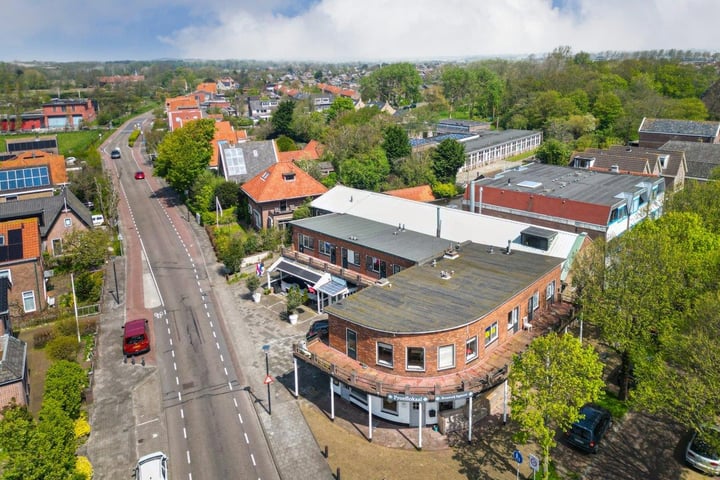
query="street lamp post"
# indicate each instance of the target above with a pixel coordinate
(266, 349)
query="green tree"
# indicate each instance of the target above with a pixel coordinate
(553, 152)
(285, 144)
(282, 117)
(447, 158)
(202, 194)
(185, 153)
(16, 429)
(396, 143)
(365, 171)
(228, 194)
(638, 289)
(53, 443)
(607, 108)
(549, 382)
(338, 106)
(398, 84)
(84, 250)
(233, 254)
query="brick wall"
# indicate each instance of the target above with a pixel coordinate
(368, 339)
(390, 260)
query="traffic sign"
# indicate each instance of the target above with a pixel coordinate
(268, 380)
(534, 462)
(517, 456)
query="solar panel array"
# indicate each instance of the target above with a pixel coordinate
(235, 162)
(24, 178)
(38, 144)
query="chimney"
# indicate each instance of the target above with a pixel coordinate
(509, 248)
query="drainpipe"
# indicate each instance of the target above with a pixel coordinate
(438, 222)
(472, 196)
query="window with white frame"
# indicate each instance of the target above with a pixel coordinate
(550, 290)
(373, 264)
(306, 242)
(6, 274)
(415, 358)
(471, 349)
(353, 257)
(491, 334)
(513, 317)
(325, 248)
(446, 356)
(384, 354)
(28, 301)
(536, 300)
(68, 222)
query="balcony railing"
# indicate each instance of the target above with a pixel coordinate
(318, 264)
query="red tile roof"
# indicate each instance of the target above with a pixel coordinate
(209, 87)
(311, 151)
(177, 103)
(343, 92)
(422, 193)
(278, 183)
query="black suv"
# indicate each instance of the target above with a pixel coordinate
(319, 328)
(587, 432)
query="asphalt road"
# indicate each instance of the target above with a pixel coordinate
(188, 398)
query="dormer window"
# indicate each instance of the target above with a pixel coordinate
(663, 161)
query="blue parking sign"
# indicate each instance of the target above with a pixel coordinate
(517, 456)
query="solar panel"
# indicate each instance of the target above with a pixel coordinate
(24, 178)
(39, 144)
(235, 162)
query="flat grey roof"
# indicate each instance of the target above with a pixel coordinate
(413, 246)
(489, 138)
(418, 300)
(572, 183)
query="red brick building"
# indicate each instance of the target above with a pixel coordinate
(420, 347)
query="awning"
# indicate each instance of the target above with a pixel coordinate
(332, 288)
(297, 270)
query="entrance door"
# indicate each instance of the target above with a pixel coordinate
(383, 270)
(344, 256)
(414, 419)
(333, 254)
(351, 342)
(513, 317)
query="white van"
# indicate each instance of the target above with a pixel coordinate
(98, 220)
(153, 466)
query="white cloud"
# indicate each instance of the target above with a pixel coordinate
(336, 30)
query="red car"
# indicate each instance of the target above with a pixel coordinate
(140, 175)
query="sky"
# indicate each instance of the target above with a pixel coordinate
(346, 30)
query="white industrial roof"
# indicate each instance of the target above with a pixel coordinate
(452, 224)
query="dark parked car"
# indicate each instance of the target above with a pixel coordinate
(319, 328)
(587, 432)
(701, 455)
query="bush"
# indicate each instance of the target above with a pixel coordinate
(252, 283)
(62, 348)
(84, 467)
(42, 337)
(88, 287)
(65, 327)
(295, 298)
(82, 427)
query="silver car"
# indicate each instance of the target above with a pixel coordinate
(703, 456)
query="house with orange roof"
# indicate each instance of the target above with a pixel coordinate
(275, 193)
(207, 87)
(181, 103)
(421, 193)
(178, 118)
(311, 151)
(31, 174)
